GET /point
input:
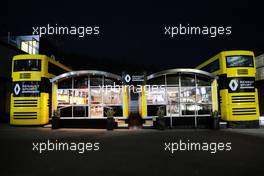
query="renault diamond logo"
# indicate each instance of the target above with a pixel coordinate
(17, 89)
(127, 78)
(233, 84)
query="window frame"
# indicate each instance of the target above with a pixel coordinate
(26, 60)
(208, 66)
(252, 59)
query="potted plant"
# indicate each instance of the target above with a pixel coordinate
(215, 120)
(110, 121)
(56, 119)
(161, 120)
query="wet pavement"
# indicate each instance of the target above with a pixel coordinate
(130, 152)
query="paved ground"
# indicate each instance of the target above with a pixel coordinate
(130, 152)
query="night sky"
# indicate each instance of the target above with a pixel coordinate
(132, 34)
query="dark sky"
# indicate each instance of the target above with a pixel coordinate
(132, 34)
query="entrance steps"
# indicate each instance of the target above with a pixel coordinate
(148, 124)
(121, 124)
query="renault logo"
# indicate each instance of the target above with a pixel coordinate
(233, 84)
(17, 89)
(127, 78)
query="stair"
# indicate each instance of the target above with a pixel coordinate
(122, 124)
(133, 108)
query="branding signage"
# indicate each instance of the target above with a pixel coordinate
(26, 88)
(134, 78)
(241, 85)
(17, 89)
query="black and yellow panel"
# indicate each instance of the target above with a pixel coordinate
(30, 110)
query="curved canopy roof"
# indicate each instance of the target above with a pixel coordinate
(182, 70)
(85, 72)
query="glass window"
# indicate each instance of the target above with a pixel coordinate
(64, 97)
(80, 97)
(188, 109)
(172, 80)
(113, 96)
(187, 80)
(157, 81)
(239, 61)
(65, 111)
(30, 46)
(173, 101)
(188, 94)
(118, 110)
(173, 94)
(96, 95)
(27, 65)
(204, 95)
(65, 84)
(173, 109)
(97, 111)
(109, 81)
(156, 96)
(96, 80)
(204, 109)
(201, 81)
(212, 67)
(81, 82)
(80, 111)
(153, 109)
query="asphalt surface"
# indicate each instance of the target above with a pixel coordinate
(130, 152)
